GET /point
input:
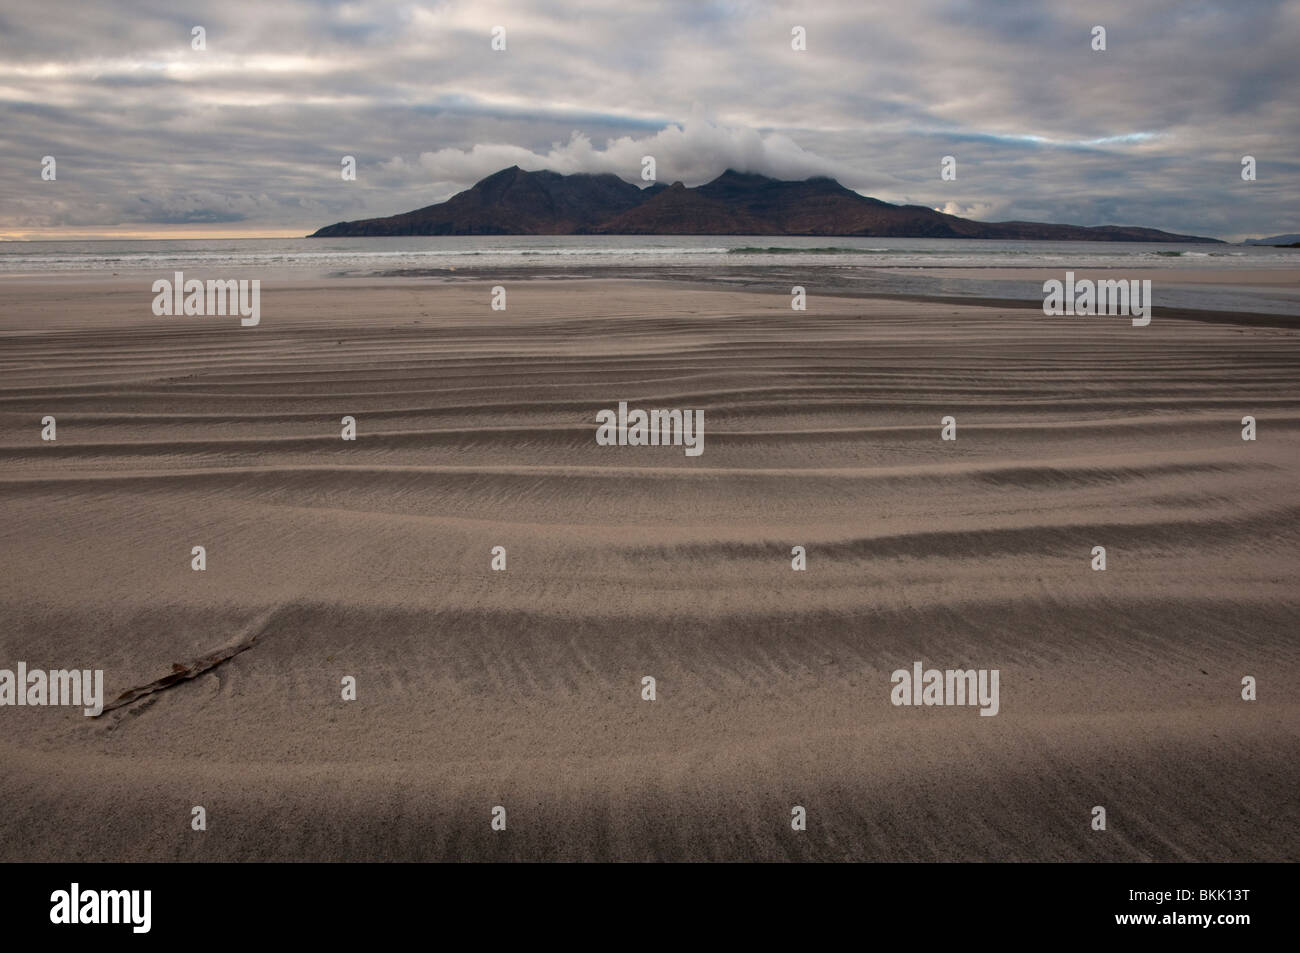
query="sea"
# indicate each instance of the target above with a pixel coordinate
(913, 266)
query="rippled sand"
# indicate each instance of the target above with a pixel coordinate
(523, 688)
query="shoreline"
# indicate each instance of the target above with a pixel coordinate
(831, 284)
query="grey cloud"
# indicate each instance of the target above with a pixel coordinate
(1037, 120)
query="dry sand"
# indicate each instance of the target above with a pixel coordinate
(480, 688)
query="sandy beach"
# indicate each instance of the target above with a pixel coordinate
(476, 688)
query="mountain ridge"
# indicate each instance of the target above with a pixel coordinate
(515, 202)
(1276, 240)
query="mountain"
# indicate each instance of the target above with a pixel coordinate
(1284, 240)
(510, 202)
(515, 202)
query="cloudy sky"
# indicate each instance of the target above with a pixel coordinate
(245, 137)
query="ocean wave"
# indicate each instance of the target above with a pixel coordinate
(825, 250)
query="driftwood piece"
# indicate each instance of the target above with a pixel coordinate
(183, 672)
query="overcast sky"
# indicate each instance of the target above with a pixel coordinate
(151, 136)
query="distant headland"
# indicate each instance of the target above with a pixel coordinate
(515, 202)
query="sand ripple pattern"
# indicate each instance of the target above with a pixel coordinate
(521, 688)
